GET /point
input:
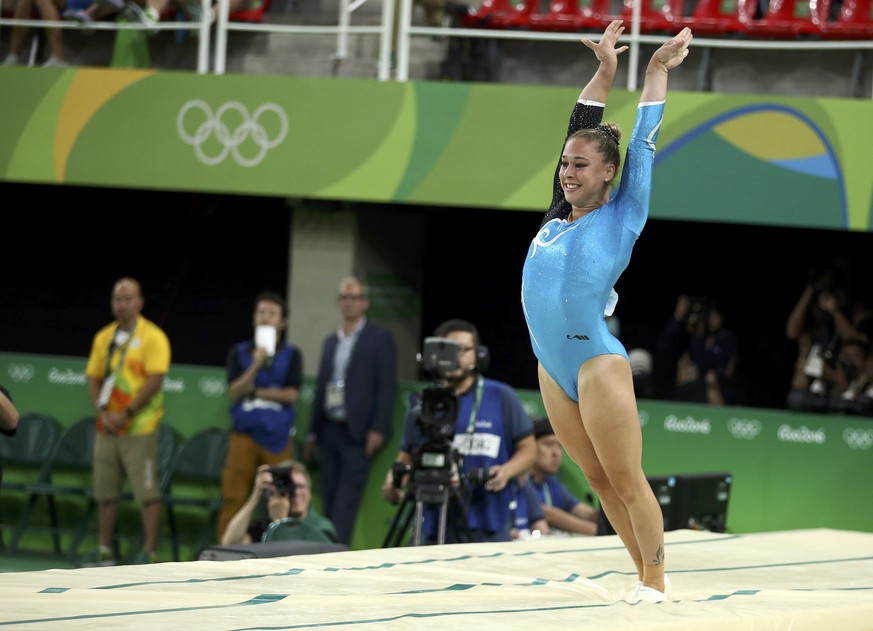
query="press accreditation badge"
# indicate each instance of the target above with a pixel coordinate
(814, 363)
(475, 444)
(335, 399)
(106, 391)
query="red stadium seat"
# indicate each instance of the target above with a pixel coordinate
(571, 15)
(655, 15)
(255, 15)
(476, 16)
(854, 21)
(719, 17)
(784, 18)
(516, 16)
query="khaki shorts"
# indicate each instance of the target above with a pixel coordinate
(133, 457)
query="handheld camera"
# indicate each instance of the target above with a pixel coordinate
(283, 483)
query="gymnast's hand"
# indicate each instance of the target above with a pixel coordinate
(674, 51)
(605, 49)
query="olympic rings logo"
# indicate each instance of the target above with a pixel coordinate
(21, 373)
(211, 386)
(249, 128)
(857, 438)
(742, 428)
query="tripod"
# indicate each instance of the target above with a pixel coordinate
(428, 487)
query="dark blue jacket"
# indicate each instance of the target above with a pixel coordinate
(370, 384)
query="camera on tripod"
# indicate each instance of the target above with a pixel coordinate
(436, 476)
(435, 411)
(437, 406)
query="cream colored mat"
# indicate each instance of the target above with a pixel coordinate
(808, 579)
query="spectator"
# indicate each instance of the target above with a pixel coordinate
(642, 366)
(137, 11)
(126, 368)
(434, 16)
(8, 418)
(288, 491)
(9, 415)
(492, 434)
(353, 405)
(852, 379)
(48, 10)
(640, 360)
(563, 511)
(151, 11)
(825, 314)
(843, 384)
(528, 519)
(704, 353)
(195, 9)
(264, 375)
(469, 59)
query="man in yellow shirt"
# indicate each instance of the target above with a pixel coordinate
(126, 367)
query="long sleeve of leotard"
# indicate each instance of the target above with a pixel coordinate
(585, 115)
(635, 188)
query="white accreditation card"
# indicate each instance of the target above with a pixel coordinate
(265, 337)
(106, 391)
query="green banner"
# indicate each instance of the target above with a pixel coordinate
(789, 471)
(802, 162)
(195, 396)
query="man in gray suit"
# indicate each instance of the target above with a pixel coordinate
(352, 407)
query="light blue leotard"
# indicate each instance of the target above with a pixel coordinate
(571, 268)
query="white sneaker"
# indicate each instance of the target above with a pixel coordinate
(11, 60)
(647, 594)
(54, 62)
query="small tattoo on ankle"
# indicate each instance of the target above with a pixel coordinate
(659, 556)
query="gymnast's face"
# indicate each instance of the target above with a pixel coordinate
(585, 177)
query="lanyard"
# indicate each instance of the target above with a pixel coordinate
(471, 424)
(122, 350)
(547, 494)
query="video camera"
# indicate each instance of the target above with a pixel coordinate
(436, 413)
(282, 480)
(437, 407)
(435, 476)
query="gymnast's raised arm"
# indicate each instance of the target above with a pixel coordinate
(588, 111)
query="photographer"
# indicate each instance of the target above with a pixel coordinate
(288, 490)
(826, 315)
(852, 379)
(9, 417)
(493, 437)
(844, 384)
(700, 359)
